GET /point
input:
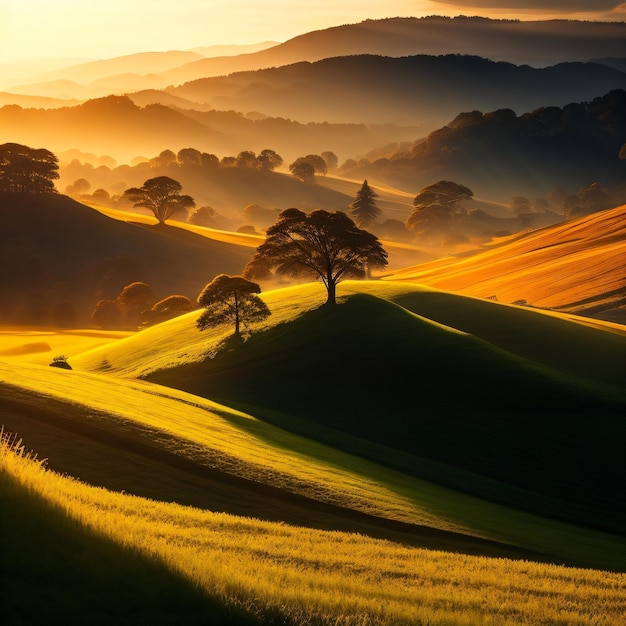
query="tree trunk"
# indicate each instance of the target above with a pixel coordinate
(331, 287)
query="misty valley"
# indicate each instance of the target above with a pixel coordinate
(328, 331)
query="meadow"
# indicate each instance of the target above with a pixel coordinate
(251, 503)
(258, 572)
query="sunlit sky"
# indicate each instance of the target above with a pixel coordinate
(81, 29)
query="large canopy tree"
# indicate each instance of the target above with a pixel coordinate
(322, 245)
(231, 299)
(364, 209)
(27, 170)
(435, 207)
(162, 196)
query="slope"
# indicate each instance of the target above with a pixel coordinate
(477, 408)
(421, 90)
(53, 250)
(283, 574)
(521, 42)
(576, 266)
(171, 446)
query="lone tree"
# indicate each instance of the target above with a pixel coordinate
(308, 166)
(231, 299)
(364, 209)
(27, 170)
(435, 206)
(322, 245)
(162, 196)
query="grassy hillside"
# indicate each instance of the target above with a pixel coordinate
(122, 435)
(373, 378)
(55, 250)
(257, 572)
(573, 266)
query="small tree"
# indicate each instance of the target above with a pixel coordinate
(231, 299)
(322, 245)
(134, 299)
(162, 196)
(166, 309)
(435, 207)
(521, 206)
(303, 170)
(331, 160)
(106, 314)
(308, 166)
(364, 209)
(189, 156)
(269, 159)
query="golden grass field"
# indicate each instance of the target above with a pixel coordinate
(574, 265)
(320, 577)
(295, 569)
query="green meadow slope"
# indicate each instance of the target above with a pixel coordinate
(486, 405)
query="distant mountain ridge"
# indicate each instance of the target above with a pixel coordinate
(537, 43)
(572, 146)
(421, 90)
(405, 98)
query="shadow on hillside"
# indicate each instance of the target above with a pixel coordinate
(55, 567)
(370, 378)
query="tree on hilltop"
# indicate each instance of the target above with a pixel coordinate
(162, 196)
(308, 166)
(27, 170)
(364, 209)
(321, 245)
(269, 159)
(231, 299)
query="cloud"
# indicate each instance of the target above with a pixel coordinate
(556, 6)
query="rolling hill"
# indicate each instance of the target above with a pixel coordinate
(521, 42)
(418, 90)
(349, 105)
(576, 266)
(371, 378)
(498, 152)
(55, 250)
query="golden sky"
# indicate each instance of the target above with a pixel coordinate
(83, 29)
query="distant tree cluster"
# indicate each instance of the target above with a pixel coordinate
(307, 167)
(27, 170)
(126, 309)
(267, 159)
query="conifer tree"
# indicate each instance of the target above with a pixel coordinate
(364, 209)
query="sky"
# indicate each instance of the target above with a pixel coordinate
(80, 29)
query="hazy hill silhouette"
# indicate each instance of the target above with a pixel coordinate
(116, 126)
(400, 98)
(572, 146)
(54, 250)
(420, 90)
(537, 43)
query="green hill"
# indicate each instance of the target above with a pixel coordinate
(496, 412)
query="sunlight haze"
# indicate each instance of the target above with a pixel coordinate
(81, 31)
